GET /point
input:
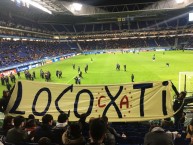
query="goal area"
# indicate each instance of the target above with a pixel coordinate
(186, 82)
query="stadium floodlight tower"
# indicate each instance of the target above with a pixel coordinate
(179, 1)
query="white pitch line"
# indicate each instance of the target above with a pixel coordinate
(71, 79)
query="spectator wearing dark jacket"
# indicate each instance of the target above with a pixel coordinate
(109, 137)
(73, 136)
(84, 125)
(60, 128)
(7, 124)
(167, 123)
(17, 135)
(178, 106)
(45, 130)
(97, 129)
(4, 101)
(30, 128)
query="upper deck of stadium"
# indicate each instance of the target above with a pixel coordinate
(62, 19)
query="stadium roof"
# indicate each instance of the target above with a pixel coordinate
(97, 11)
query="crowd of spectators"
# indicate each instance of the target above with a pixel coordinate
(15, 52)
(97, 131)
(128, 43)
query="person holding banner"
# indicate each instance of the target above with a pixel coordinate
(178, 106)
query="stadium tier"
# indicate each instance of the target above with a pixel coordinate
(16, 52)
(15, 22)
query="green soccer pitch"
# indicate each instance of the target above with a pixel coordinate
(102, 70)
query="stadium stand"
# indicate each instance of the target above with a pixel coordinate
(26, 37)
(15, 52)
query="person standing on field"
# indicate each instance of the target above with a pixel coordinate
(125, 67)
(132, 78)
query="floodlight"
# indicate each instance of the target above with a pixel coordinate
(191, 17)
(35, 4)
(76, 6)
(179, 1)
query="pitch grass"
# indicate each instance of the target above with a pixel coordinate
(102, 70)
